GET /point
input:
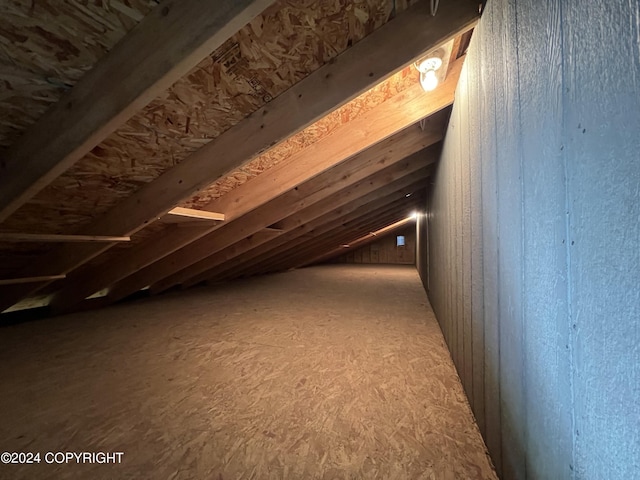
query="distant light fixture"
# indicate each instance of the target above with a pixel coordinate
(427, 68)
(407, 195)
(345, 246)
(414, 215)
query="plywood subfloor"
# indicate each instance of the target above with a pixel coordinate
(334, 372)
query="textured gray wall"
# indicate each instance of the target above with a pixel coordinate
(534, 237)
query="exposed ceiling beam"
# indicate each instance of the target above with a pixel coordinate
(331, 242)
(349, 215)
(352, 211)
(85, 282)
(386, 121)
(327, 238)
(171, 40)
(343, 191)
(372, 204)
(311, 248)
(330, 204)
(192, 214)
(388, 49)
(16, 281)
(50, 237)
(359, 242)
(393, 115)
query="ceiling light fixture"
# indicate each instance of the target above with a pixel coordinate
(427, 68)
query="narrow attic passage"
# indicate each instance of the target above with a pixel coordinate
(336, 371)
(156, 146)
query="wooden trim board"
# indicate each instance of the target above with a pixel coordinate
(45, 237)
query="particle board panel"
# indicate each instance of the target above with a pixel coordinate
(325, 372)
(273, 52)
(308, 136)
(47, 45)
(325, 126)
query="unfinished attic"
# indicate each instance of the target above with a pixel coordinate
(332, 239)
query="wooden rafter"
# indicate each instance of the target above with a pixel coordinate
(345, 214)
(372, 204)
(353, 211)
(329, 197)
(358, 242)
(167, 43)
(330, 242)
(21, 280)
(45, 237)
(391, 47)
(290, 257)
(180, 214)
(390, 118)
(331, 203)
(343, 191)
(324, 239)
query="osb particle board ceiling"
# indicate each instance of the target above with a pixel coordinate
(277, 49)
(47, 47)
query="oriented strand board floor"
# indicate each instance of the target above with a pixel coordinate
(336, 372)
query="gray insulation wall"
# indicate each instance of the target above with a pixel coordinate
(534, 237)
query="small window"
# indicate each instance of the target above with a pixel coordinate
(400, 241)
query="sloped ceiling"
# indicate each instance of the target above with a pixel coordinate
(302, 123)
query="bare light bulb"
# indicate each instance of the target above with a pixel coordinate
(427, 68)
(428, 80)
